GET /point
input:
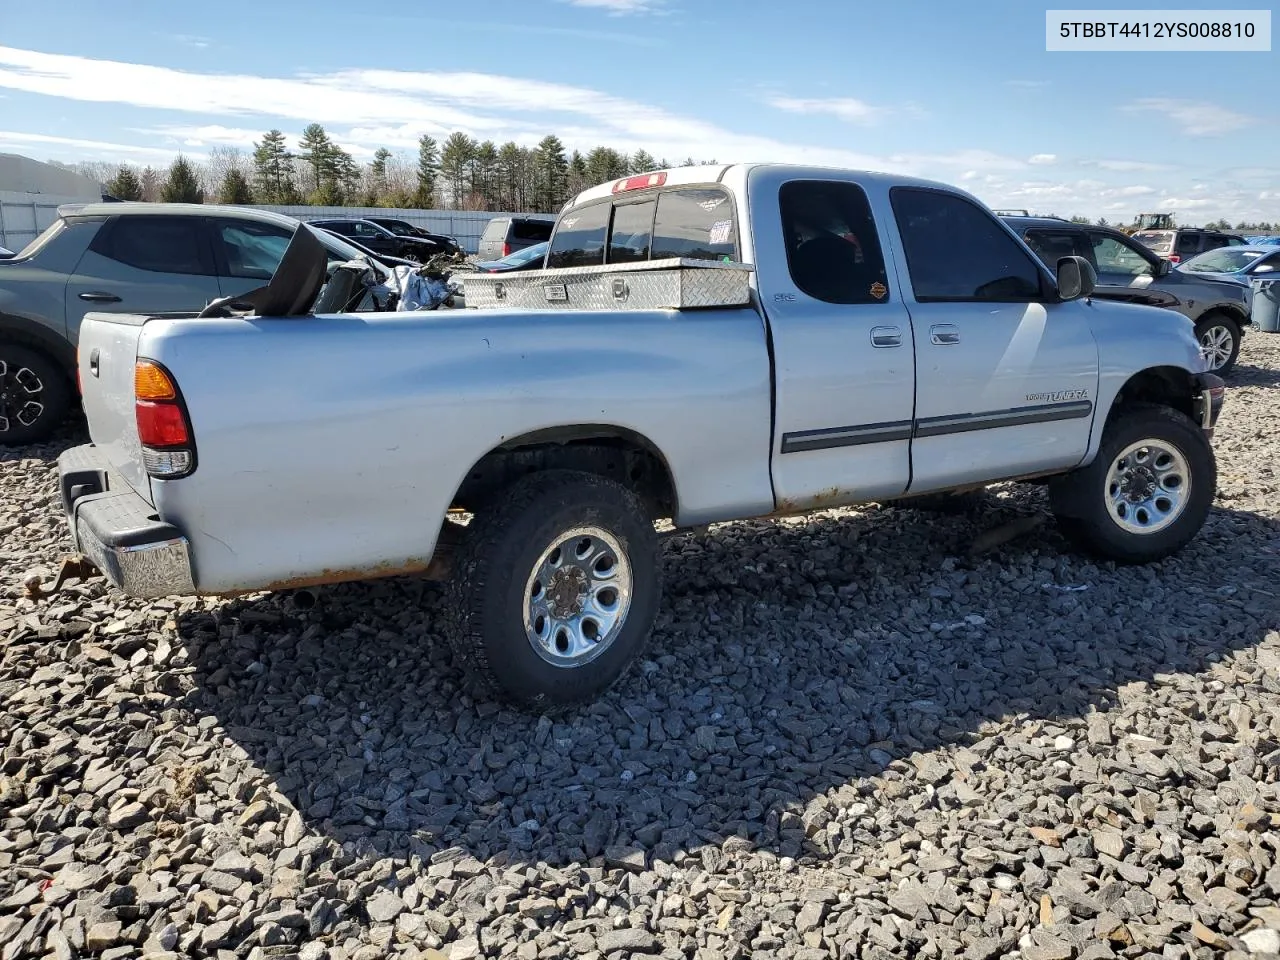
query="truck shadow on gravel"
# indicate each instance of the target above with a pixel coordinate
(791, 661)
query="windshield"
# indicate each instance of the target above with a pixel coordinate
(1157, 241)
(41, 240)
(1222, 260)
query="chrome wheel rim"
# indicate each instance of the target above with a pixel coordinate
(1147, 487)
(20, 391)
(1215, 346)
(577, 597)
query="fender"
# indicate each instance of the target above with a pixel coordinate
(19, 329)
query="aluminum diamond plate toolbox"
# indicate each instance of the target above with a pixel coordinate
(674, 284)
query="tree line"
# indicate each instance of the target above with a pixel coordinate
(461, 173)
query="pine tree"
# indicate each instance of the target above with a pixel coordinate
(125, 185)
(273, 169)
(604, 164)
(182, 185)
(484, 175)
(317, 149)
(552, 174)
(378, 176)
(510, 168)
(150, 181)
(578, 178)
(235, 188)
(456, 159)
(428, 169)
(642, 162)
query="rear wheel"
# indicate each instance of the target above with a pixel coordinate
(555, 589)
(1148, 491)
(1219, 337)
(34, 395)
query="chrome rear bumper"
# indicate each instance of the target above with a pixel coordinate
(117, 531)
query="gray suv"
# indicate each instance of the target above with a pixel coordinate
(503, 236)
(1128, 271)
(131, 257)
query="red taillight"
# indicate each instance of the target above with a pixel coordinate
(641, 182)
(163, 428)
(1174, 258)
(506, 249)
(161, 424)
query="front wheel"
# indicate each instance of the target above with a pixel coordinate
(555, 589)
(1219, 338)
(1148, 491)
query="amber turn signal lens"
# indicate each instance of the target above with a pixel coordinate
(150, 382)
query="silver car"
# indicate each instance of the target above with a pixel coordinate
(120, 257)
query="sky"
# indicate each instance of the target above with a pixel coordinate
(962, 93)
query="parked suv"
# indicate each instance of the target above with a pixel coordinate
(120, 258)
(1183, 243)
(504, 235)
(1128, 270)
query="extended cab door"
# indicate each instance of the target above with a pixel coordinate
(841, 336)
(1006, 375)
(142, 264)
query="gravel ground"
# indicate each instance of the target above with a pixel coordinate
(855, 735)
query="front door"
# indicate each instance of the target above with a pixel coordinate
(1006, 376)
(842, 342)
(248, 253)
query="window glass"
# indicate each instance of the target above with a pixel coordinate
(1113, 257)
(632, 231)
(833, 252)
(536, 230)
(694, 223)
(252, 250)
(580, 237)
(1052, 245)
(1235, 242)
(1157, 241)
(495, 229)
(160, 244)
(1188, 243)
(957, 251)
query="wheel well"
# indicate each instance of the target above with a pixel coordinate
(1167, 386)
(612, 452)
(1224, 310)
(47, 343)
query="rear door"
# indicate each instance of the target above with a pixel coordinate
(841, 338)
(1006, 376)
(143, 264)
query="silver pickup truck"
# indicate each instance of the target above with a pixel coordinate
(705, 344)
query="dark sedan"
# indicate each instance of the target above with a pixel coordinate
(379, 239)
(403, 228)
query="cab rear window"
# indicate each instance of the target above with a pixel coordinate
(690, 222)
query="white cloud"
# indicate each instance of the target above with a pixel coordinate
(101, 149)
(1042, 159)
(618, 8)
(1196, 118)
(1126, 166)
(191, 40)
(843, 108)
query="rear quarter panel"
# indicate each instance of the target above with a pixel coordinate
(334, 445)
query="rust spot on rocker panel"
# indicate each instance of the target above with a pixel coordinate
(822, 500)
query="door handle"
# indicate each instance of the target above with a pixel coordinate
(97, 296)
(886, 336)
(944, 333)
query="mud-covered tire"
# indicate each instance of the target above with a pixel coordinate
(509, 545)
(1219, 337)
(1087, 502)
(30, 380)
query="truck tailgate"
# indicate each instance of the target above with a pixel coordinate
(108, 348)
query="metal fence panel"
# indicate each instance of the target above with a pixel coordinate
(24, 216)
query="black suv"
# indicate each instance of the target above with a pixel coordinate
(1183, 243)
(1127, 270)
